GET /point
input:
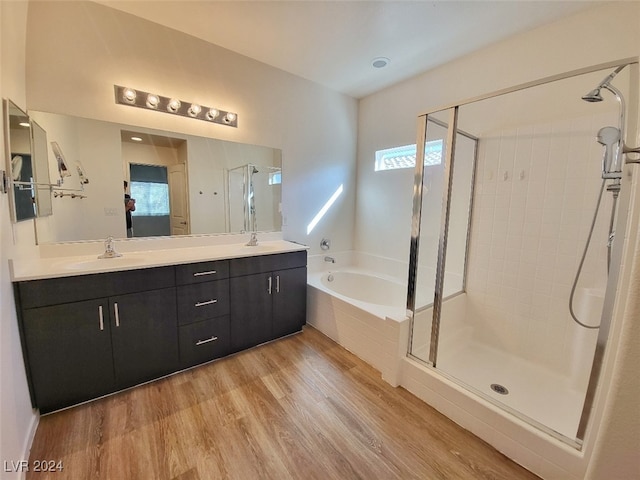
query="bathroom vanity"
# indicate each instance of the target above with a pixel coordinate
(92, 333)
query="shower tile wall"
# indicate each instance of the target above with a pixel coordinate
(535, 195)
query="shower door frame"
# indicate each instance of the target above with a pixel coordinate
(612, 282)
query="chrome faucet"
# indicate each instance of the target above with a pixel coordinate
(109, 249)
(330, 259)
(253, 241)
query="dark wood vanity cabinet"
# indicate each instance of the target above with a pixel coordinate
(78, 350)
(203, 311)
(69, 353)
(268, 297)
(91, 335)
(143, 336)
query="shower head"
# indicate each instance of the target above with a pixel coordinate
(594, 95)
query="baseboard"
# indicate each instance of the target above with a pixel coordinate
(28, 441)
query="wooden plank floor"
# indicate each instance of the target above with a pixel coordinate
(298, 408)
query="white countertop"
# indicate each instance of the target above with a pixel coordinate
(65, 266)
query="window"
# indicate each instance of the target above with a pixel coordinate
(149, 186)
(405, 156)
(152, 199)
(275, 178)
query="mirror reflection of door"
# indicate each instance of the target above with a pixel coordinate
(178, 203)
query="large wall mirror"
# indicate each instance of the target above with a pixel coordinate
(27, 164)
(181, 184)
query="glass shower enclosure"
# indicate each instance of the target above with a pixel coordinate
(254, 193)
(500, 228)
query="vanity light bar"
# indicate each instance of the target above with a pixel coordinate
(151, 101)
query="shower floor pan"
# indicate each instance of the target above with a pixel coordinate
(533, 391)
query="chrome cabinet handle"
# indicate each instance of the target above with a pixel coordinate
(210, 272)
(202, 342)
(101, 316)
(277, 283)
(269, 287)
(115, 309)
(208, 302)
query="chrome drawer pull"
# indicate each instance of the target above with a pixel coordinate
(202, 342)
(269, 287)
(277, 283)
(115, 309)
(101, 317)
(208, 302)
(199, 274)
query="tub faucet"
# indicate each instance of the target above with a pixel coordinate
(253, 241)
(109, 249)
(330, 259)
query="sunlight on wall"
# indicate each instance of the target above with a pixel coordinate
(325, 208)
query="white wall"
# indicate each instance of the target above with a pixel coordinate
(388, 118)
(17, 419)
(314, 127)
(77, 51)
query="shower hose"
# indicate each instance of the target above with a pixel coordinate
(586, 248)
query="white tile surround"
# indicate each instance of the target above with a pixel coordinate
(377, 339)
(536, 192)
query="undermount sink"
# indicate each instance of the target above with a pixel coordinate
(124, 261)
(260, 248)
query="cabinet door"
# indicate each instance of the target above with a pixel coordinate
(250, 310)
(289, 301)
(144, 330)
(69, 353)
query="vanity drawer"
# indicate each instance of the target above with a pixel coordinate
(204, 341)
(201, 272)
(202, 301)
(54, 291)
(267, 263)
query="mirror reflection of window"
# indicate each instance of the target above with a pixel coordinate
(149, 187)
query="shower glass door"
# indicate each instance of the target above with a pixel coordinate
(496, 248)
(436, 209)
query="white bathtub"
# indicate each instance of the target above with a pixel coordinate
(361, 309)
(374, 293)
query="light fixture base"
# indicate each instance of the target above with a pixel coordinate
(138, 98)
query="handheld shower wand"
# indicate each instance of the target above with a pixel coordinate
(612, 161)
(610, 138)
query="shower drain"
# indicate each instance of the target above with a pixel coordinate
(496, 387)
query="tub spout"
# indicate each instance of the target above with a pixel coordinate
(330, 259)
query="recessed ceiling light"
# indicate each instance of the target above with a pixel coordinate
(136, 139)
(380, 62)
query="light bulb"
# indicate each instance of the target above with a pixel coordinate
(24, 124)
(129, 95)
(136, 139)
(174, 105)
(194, 110)
(229, 117)
(152, 100)
(212, 114)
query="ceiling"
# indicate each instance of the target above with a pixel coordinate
(334, 43)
